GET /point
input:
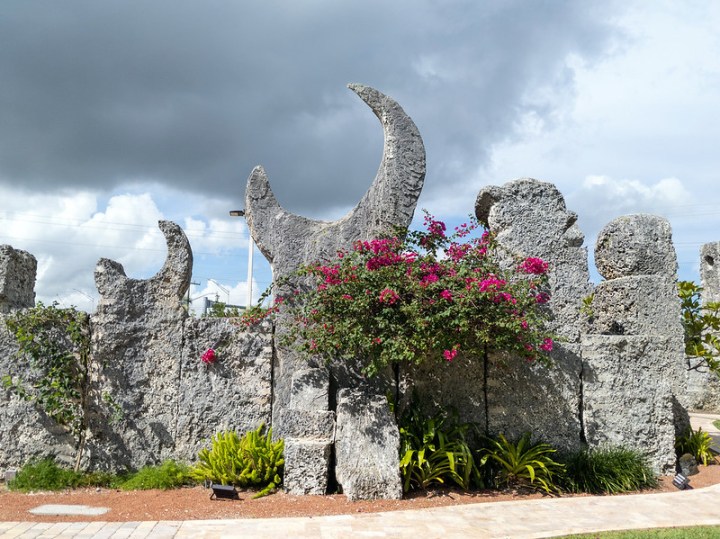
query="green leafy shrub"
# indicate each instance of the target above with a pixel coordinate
(44, 474)
(522, 464)
(701, 324)
(169, 474)
(54, 343)
(697, 443)
(434, 450)
(610, 470)
(251, 461)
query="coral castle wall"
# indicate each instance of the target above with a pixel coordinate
(146, 356)
(619, 376)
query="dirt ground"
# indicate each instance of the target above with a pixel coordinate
(194, 503)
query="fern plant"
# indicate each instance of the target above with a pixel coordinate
(434, 450)
(697, 443)
(251, 461)
(522, 464)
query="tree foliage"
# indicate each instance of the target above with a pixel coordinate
(701, 323)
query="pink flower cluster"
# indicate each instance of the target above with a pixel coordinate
(209, 356)
(434, 227)
(389, 296)
(377, 246)
(331, 274)
(491, 283)
(449, 355)
(533, 266)
(456, 251)
(547, 345)
(382, 260)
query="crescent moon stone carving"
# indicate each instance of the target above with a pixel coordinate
(165, 289)
(289, 240)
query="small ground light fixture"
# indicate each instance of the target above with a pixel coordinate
(226, 492)
(681, 482)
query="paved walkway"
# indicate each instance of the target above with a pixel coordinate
(519, 519)
(526, 519)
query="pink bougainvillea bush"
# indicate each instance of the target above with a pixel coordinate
(419, 296)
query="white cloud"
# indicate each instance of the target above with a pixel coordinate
(71, 234)
(216, 235)
(603, 198)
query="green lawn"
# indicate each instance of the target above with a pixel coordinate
(696, 532)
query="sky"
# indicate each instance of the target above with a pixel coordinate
(116, 114)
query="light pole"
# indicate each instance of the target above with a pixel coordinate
(251, 249)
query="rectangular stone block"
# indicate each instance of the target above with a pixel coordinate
(367, 446)
(308, 424)
(530, 397)
(310, 389)
(18, 270)
(627, 396)
(306, 467)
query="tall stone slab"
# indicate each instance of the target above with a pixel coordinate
(232, 393)
(147, 356)
(530, 219)
(289, 241)
(25, 430)
(137, 343)
(364, 419)
(17, 279)
(633, 353)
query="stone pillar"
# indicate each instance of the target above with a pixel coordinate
(137, 339)
(25, 430)
(710, 272)
(529, 219)
(17, 279)
(309, 429)
(633, 352)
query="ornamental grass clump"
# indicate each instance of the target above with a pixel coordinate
(418, 296)
(610, 470)
(168, 475)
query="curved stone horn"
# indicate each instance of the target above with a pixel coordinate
(173, 279)
(390, 201)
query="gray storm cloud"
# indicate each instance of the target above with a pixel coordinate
(194, 94)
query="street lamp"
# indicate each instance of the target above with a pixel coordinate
(248, 301)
